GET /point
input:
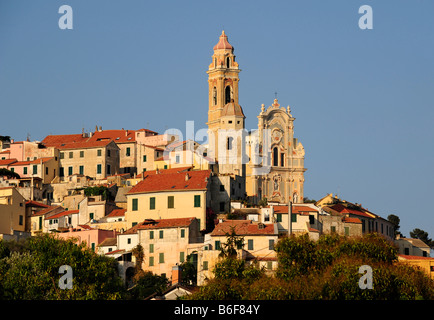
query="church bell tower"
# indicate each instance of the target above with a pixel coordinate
(224, 111)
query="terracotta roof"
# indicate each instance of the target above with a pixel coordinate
(165, 223)
(118, 136)
(197, 180)
(297, 209)
(61, 214)
(7, 162)
(108, 242)
(26, 163)
(83, 145)
(343, 209)
(351, 220)
(46, 210)
(406, 257)
(56, 140)
(165, 171)
(32, 203)
(117, 213)
(243, 228)
(223, 42)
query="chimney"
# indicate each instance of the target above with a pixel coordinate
(176, 274)
(186, 177)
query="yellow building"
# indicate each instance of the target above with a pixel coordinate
(426, 264)
(12, 211)
(169, 194)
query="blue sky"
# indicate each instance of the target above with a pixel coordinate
(362, 99)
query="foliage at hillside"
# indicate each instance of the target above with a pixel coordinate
(30, 270)
(327, 269)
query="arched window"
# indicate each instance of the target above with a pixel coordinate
(275, 156)
(228, 62)
(215, 62)
(227, 94)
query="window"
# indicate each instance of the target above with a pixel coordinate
(177, 159)
(228, 62)
(81, 169)
(182, 233)
(21, 220)
(129, 241)
(165, 166)
(229, 143)
(181, 257)
(135, 204)
(108, 169)
(222, 206)
(91, 215)
(98, 169)
(279, 217)
(144, 158)
(40, 222)
(61, 155)
(151, 261)
(128, 152)
(250, 244)
(81, 154)
(293, 217)
(71, 154)
(151, 234)
(61, 171)
(25, 170)
(197, 201)
(170, 202)
(205, 265)
(222, 187)
(282, 159)
(152, 203)
(12, 169)
(275, 156)
(69, 171)
(227, 94)
(161, 258)
(46, 170)
(93, 246)
(406, 251)
(333, 229)
(99, 152)
(161, 234)
(108, 153)
(35, 169)
(217, 245)
(270, 244)
(311, 219)
(347, 231)
(151, 248)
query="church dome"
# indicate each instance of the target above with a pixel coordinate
(232, 109)
(223, 43)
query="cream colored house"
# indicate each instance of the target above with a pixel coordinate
(12, 211)
(259, 240)
(39, 223)
(169, 194)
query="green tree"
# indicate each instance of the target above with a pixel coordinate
(395, 220)
(148, 284)
(8, 173)
(32, 272)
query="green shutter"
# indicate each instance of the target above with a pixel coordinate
(144, 158)
(151, 234)
(151, 261)
(279, 217)
(35, 169)
(135, 204)
(152, 203)
(98, 169)
(170, 202)
(181, 257)
(250, 244)
(161, 257)
(217, 245)
(197, 201)
(293, 217)
(205, 265)
(151, 248)
(161, 235)
(182, 233)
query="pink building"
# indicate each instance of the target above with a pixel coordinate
(92, 237)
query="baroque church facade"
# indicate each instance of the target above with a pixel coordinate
(267, 164)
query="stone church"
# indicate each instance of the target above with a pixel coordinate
(264, 163)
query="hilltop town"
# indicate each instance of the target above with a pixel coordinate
(117, 188)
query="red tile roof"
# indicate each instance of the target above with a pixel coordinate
(32, 203)
(118, 136)
(243, 228)
(343, 209)
(197, 180)
(61, 214)
(117, 213)
(351, 220)
(57, 140)
(406, 257)
(83, 145)
(7, 162)
(165, 171)
(166, 223)
(298, 209)
(46, 210)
